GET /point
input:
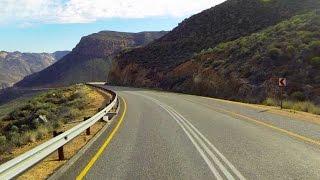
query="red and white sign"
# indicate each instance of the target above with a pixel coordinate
(282, 82)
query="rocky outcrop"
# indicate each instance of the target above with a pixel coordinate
(90, 60)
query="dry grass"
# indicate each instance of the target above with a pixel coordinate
(96, 99)
(292, 114)
(47, 167)
(305, 106)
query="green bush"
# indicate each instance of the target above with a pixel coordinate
(298, 96)
(35, 123)
(270, 102)
(291, 50)
(69, 114)
(24, 127)
(3, 140)
(315, 46)
(315, 61)
(274, 53)
(75, 96)
(31, 136)
(42, 131)
(42, 112)
(4, 145)
(288, 104)
(14, 128)
(314, 109)
(16, 138)
(78, 103)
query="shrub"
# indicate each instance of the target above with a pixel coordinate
(46, 106)
(305, 106)
(78, 103)
(16, 138)
(314, 109)
(35, 123)
(56, 124)
(76, 95)
(3, 140)
(31, 136)
(274, 53)
(270, 102)
(14, 128)
(288, 104)
(42, 132)
(42, 112)
(4, 146)
(69, 114)
(315, 61)
(314, 46)
(298, 96)
(291, 50)
(24, 127)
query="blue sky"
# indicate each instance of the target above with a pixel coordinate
(53, 37)
(51, 25)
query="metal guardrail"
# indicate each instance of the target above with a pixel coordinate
(23, 162)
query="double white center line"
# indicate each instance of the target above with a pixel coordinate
(202, 144)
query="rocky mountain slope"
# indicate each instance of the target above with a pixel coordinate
(14, 66)
(249, 67)
(246, 50)
(90, 60)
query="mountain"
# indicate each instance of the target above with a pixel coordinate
(60, 54)
(14, 66)
(171, 62)
(90, 60)
(248, 68)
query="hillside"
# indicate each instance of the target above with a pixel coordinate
(248, 68)
(169, 63)
(14, 66)
(29, 121)
(227, 21)
(90, 60)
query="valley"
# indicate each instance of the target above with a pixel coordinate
(14, 66)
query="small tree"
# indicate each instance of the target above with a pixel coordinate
(275, 53)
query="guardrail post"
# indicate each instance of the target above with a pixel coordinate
(60, 149)
(88, 132)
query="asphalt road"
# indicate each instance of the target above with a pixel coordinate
(174, 136)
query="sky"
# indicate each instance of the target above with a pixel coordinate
(51, 25)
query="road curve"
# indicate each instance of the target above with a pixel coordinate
(175, 136)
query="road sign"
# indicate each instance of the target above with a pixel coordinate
(282, 82)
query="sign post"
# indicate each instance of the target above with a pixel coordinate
(282, 85)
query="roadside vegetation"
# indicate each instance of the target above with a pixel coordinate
(37, 118)
(9, 106)
(305, 106)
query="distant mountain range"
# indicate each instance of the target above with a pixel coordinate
(14, 66)
(90, 60)
(235, 50)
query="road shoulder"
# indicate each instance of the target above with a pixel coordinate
(79, 161)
